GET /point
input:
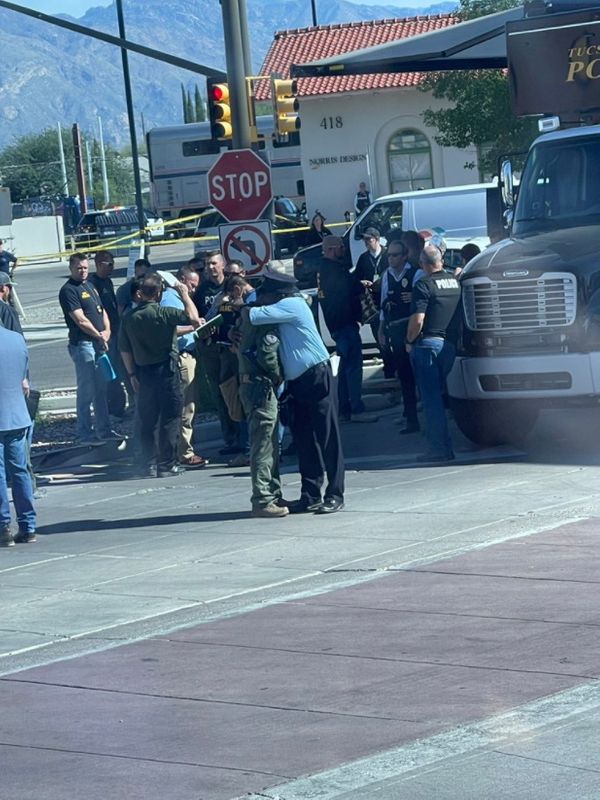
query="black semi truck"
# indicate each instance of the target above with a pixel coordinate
(531, 303)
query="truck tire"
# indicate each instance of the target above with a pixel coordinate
(492, 422)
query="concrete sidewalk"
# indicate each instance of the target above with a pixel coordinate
(468, 677)
(438, 638)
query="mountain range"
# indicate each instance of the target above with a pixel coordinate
(51, 75)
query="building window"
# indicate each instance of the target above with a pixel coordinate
(409, 161)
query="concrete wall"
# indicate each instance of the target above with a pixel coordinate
(35, 238)
(335, 159)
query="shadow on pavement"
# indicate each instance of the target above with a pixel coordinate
(83, 525)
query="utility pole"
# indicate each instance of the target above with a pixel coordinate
(131, 117)
(88, 156)
(236, 76)
(103, 163)
(79, 168)
(63, 166)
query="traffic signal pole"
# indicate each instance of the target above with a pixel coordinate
(236, 76)
(132, 130)
(245, 38)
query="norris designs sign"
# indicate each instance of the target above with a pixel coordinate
(327, 161)
(554, 63)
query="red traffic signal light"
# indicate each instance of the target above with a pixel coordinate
(219, 109)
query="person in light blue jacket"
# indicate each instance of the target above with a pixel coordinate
(14, 426)
(313, 390)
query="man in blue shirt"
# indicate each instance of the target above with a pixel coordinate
(14, 426)
(311, 384)
(186, 345)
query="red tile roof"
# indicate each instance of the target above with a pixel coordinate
(302, 45)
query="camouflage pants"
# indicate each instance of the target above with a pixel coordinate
(260, 407)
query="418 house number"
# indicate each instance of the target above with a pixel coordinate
(328, 123)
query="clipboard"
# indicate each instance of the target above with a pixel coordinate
(206, 330)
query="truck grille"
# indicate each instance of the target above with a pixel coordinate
(518, 304)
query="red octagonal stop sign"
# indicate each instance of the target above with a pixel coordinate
(239, 185)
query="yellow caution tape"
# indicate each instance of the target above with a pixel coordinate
(107, 244)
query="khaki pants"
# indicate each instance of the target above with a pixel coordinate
(187, 373)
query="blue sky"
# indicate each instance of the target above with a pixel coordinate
(78, 7)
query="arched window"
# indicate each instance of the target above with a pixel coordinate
(409, 161)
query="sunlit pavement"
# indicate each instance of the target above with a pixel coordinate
(436, 638)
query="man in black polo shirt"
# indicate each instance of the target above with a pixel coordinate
(434, 306)
(207, 298)
(89, 334)
(339, 298)
(148, 345)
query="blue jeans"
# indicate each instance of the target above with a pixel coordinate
(13, 463)
(348, 346)
(432, 360)
(91, 390)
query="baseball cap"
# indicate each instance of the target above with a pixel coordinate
(5, 279)
(371, 232)
(276, 281)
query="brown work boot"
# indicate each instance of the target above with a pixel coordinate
(6, 537)
(271, 511)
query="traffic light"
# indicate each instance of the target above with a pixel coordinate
(219, 110)
(285, 106)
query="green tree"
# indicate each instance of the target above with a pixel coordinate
(200, 107)
(30, 167)
(184, 104)
(480, 112)
(189, 107)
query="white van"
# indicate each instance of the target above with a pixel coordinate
(462, 212)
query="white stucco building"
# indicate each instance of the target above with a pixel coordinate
(365, 127)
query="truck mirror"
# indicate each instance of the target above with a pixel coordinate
(506, 182)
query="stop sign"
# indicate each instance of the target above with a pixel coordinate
(239, 185)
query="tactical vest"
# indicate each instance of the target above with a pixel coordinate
(393, 307)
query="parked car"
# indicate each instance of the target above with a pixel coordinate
(288, 217)
(97, 227)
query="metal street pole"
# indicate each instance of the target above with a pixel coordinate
(105, 188)
(245, 38)
(63, 166)
(313, 6)
(236, 77)
(79, 168)
(131, 117)
(88, 156)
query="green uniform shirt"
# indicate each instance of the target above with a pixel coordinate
(258, 351)
(149, 332)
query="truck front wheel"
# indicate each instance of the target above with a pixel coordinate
(492, 422)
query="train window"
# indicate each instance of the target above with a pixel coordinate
(199, 147)
(293, 140)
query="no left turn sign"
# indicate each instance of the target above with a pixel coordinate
(248, 242)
